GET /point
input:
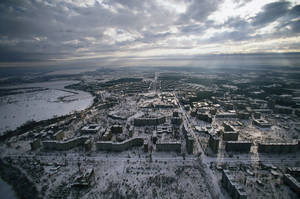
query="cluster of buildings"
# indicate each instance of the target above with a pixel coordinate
(128, 86)
(235, 190)
(230, 138)
(138, 112)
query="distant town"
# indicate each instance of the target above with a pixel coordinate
(162, 132)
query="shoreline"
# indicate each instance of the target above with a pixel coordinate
(20, 184)
(23, 128)
(7, 190)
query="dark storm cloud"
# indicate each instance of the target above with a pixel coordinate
(295, 11)
(200, 10)
(271, 12)
(296, 26)
(58, 23)
(55, 29)
(237, 23)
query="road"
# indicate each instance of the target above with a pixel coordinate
(280, 160)
(211, 179)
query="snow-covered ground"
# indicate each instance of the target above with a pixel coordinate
(56, 101)
(130, 173)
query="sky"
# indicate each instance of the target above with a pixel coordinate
(134, 32)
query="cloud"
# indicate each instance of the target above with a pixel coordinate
(295, 11)
(200, 10)
(296, 26)
(64, 30)
(271, 12)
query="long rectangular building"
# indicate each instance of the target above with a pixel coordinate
(169, 146)
(230, 136)
(65, 145)
(277, 147)
(122, 146)
(149, 121)
(238, 146)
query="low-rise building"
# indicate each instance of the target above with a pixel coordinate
(164, 129)
(168, 146)
(230, 136)
(200, 129)
(232, 187)
(262, 110)
(176, 120)
(283, 109)
(238, 146)
(204, 117)
(90, 128)
(226, 115)
(243, 115)
(262, 123)
(65, 145)
(116, 129)
(151, 121)
(175, 114)
(277, 147)
(121, 146)
(228, 127)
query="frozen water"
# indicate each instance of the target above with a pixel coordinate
(6, 190)
(40, 105)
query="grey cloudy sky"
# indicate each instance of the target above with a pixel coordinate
(131, 31)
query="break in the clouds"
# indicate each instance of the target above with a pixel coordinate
(119, 31)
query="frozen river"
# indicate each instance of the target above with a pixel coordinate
(46, 100)
(6, 191)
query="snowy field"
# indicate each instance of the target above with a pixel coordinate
(52, 101)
